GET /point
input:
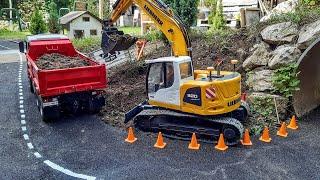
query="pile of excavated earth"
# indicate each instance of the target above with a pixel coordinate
(59, 61)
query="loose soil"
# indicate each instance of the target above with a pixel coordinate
(59, 61)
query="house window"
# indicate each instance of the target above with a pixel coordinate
(93, 32)
(86, 19)
(78, 33)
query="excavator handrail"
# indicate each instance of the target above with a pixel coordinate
(156, 9)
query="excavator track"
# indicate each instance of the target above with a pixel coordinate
(181, 126)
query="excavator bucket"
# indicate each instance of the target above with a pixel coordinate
(114, 40)
(308, 97)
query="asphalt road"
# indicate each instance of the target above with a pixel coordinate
(8, 45)
(85, 145)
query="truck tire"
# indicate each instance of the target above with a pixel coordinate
(49, 114)
(93, 109)
(95, 104)
(31, 86)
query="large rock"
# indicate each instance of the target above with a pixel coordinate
(283, 56)
(281, 8)
(262, 102)
(280, 33)
(260, 80)
(308, 34)
(260, 57)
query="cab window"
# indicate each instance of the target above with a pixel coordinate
(169, 75)
(161, 75)
(185, 70)
(155, 77)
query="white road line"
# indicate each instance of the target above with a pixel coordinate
(21, 102)
(38, 155)
(30, 146)
(26, 137)
(21, 106)
(66, 171)
(20, 84)
(23, 122)
(20, 94)
(23, 116)
(24, 128)
(20, 90)
(4, 47)
(20, 87)
(21, 111)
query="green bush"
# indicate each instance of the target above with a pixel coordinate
(53, 24)
(187, 10)
(216, 18)
(285, 80)
(86, 45)
(154, 35)
(303, 14)
(37, 24)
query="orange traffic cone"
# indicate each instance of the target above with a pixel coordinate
(160, 144)
(265, 135)
(194, 143)
(221, 144)
(246, 139)
(130, 138)
(283, 130)
(293, 123)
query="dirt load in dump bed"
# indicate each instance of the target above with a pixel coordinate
(59, 61)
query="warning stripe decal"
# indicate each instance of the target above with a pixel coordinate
(210, 93)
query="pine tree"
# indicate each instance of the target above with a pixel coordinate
(218, 21)
(53, 24)
(216, 18)
(187, 10)
(37, 24)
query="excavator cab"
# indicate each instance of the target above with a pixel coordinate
(165, 76)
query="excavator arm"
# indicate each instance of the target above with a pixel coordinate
(163, 18)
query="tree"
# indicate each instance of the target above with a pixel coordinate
(28, 7)
(53, 24)
(187, 10)
(37, 24)
(216, 18)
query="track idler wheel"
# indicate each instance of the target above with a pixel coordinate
(231, 135)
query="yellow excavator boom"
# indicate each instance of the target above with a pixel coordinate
(163, 18)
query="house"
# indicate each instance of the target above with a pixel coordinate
(79, 24)
(128, 18)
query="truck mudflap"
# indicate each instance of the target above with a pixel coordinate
(135, 111)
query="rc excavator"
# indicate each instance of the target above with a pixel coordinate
(181, 100)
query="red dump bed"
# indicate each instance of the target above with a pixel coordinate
(61, 81)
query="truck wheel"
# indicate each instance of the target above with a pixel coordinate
(49, 114)
(75, 107)
(31, 86)
(93, 107)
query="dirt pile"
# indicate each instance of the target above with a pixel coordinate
(126, 89)
(59, 61)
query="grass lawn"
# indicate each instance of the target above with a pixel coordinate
(13, 35)
(133, 31)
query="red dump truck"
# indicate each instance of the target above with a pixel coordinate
(72, 90)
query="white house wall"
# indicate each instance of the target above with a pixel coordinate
(79, 24)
